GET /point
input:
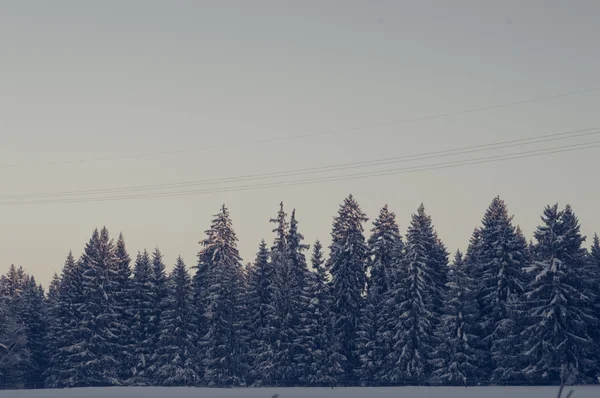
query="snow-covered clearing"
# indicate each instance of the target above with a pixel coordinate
(409, 392)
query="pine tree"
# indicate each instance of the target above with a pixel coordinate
(347, 264)
(559, 312)
(385, 249)
(224, 310)
(176, 358)
(94, 356)
(412, 306)
(263, 321)
(32, 314)
(324, 360)
(123, 296)
(143, 327)
(458, 356)
(501, 257)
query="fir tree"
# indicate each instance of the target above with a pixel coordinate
(263, 321)
(94, 362)
(143, 327)
(176, 359)
(65, 333)
(457, 355)
(14, 353)
(159, 282)
(385, 249)
(559, 312)
(501, 258)
(347, 264)
(412, 306)
(123, 297)
(32, 314)
(224, 310)
(324, 361)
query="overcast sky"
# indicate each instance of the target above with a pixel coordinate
(82, 81)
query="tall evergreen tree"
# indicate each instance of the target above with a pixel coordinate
(143, 327)
(559, 311)
(323, 359)
(263, 321)
(123, 296)
(385, 250)
(66, 336)
(412, 306)
(502, 256)
(159, 282)
(224, 313)
(283, 366)
(176, 359)
(347, 264)
(457, 355)
(94, 362)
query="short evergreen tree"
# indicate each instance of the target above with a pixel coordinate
(324, 361)
(33, 316)
(559, 311)
(263, 321)
(176, 359)
(143, 327)
(457, 355)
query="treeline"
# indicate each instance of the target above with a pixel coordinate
(387, 310)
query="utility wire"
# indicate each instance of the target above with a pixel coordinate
(438, 166)
(316, 170)
(303, 136)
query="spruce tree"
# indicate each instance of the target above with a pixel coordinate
(224, 311)
(143, 327)
(123, 297)
(263, 320)
(32, 314)
(14, 353)
(324, 361)
(347, 265)
(176, 359)
(284, 369)
(502, 255)
(412, 305)
(159, 282)
(66, 335)
(385, 252)
(559, 312)
(457, 360)
(94, 359)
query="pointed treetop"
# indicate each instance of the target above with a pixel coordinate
(281, 229)
(458, 259)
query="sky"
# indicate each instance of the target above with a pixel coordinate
(221, 89)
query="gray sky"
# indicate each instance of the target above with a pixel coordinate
(82, 80)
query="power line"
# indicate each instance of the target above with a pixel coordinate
(303, 136)
(331, 168)
(438, 166)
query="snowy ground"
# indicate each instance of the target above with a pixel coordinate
(409, 392)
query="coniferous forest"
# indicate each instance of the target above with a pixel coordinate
(378, 307)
